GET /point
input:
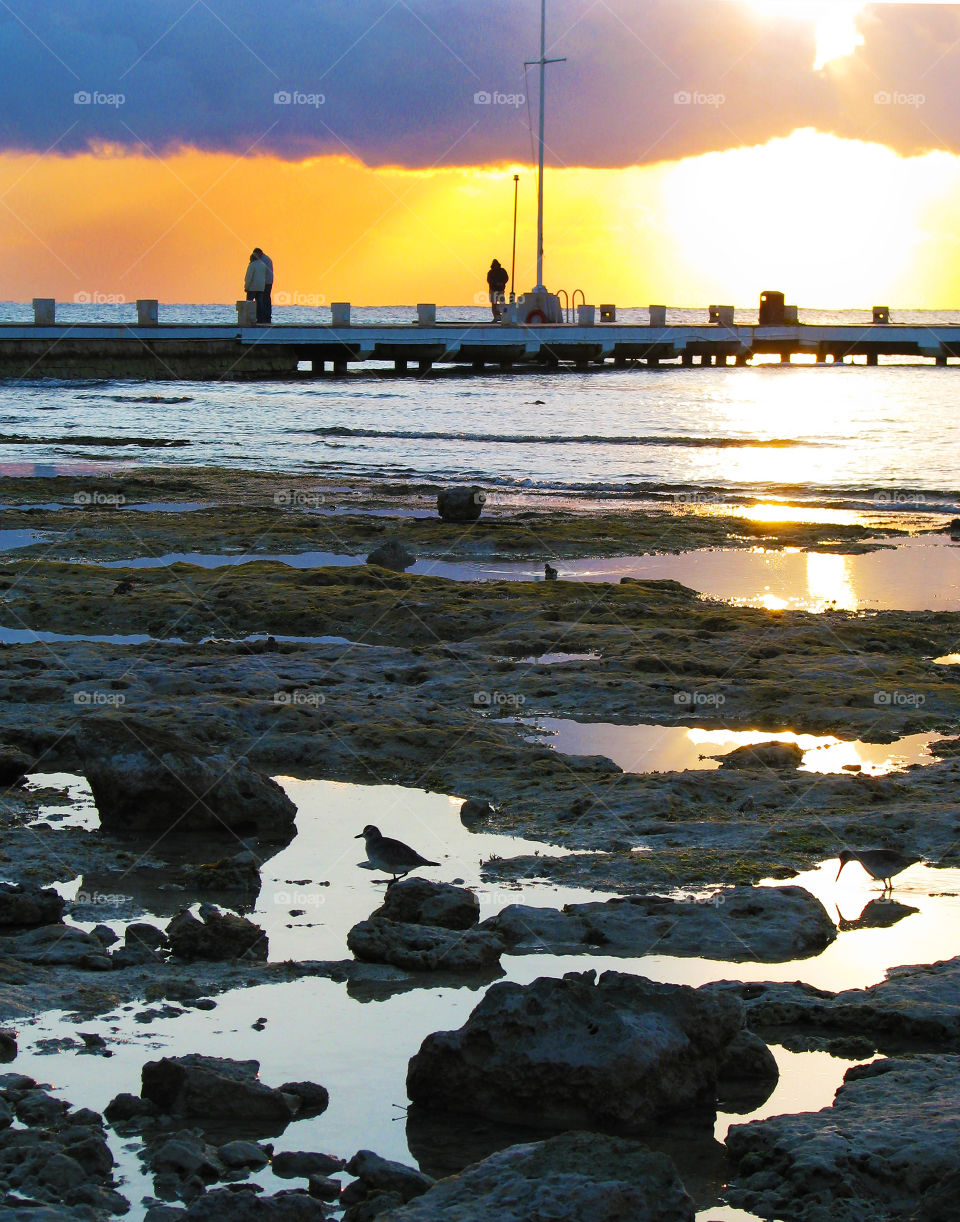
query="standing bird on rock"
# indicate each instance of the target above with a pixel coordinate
(391, 856)
(881, 864)
(549, 572)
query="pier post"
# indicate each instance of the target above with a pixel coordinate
(653, 362)
(942, 360)
(686, 360)
(785, 357)
(340, 314)
(619, 362)
(821, 356)
(340, 366)
(424, 367)
(44, 311)
(399, 366)
(743, 359)
(872, 358)
(148, 312)
(477, 366)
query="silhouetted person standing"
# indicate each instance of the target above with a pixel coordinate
(254, 283)
(268, 286)
(497, 283)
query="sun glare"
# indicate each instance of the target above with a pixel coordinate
(835, 20)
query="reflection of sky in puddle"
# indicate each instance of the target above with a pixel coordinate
(330, 815)
(75, 808)
(916, 575)
(358, 1041)
(10, 540)
(651, 748)
(948, 659)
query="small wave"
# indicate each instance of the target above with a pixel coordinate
(146, 443)
(140, 398)
(589, 439)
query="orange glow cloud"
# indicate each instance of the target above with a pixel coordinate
(829, 221)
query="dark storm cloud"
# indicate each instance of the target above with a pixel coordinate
(425, 82)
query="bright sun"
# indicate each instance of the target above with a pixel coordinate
(837, 33)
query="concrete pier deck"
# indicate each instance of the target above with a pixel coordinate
(213, 353)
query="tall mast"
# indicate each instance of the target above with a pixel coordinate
(542, 61)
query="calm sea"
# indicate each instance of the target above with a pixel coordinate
(887, 437)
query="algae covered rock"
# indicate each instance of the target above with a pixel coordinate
(218, 936)
(424, 948)
(579, 1051)
(148, 781)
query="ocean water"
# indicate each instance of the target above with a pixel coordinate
(882, 438)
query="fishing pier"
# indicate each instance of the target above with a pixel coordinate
(152, 350)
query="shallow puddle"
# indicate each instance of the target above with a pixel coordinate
(357, 1039)
(920, 574)
(11, 540)
(652, 748)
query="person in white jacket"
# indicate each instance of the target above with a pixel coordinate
(268, 287)
(255, 283)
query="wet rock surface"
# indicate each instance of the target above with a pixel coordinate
(577, 1177)
(216, 1092)
(461, 504)
(419, 901)
(146, 779)
(766, 924)
(392, 554)
(580, 1051)
(217, 936)
(881, 1152)
(23, 907)
(914, 1007)
(424, 948)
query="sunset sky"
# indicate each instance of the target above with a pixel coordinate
(698, 150)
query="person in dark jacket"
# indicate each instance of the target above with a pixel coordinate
(497, 283)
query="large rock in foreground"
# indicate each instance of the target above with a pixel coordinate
(580, 1052)
(762, 924)
(147, 781)
(774, 756)
(218, 936)
(577, 1177)
(25, 907)
(216, 1092)
(880, 1154)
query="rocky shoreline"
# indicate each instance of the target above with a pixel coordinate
(417, 681)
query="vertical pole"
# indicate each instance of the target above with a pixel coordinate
(513, 257)
(543, 81)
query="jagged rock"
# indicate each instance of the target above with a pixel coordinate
(59, 946)
(186, 1155)
(580, 1052)
(374, 1206)
(125, 1107)
(418, 901)
(461, 504)
(576, 1177)
(14, 765)
(765, 924)
(311, 1097)
(218, 936)
(291, 1164)
(423, 948)
(914, 1007)
(148, 781)
(323, 1188)
(773, 755)
(889, 1140)
(379, 1174)
(215, 1092)
(25, 907)
(392, 554)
